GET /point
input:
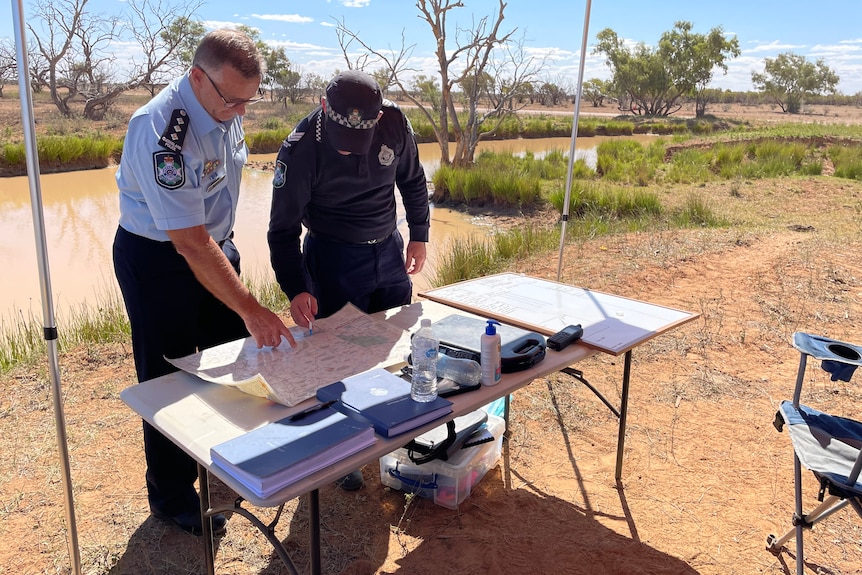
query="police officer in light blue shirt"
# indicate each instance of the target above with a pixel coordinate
(174, 256)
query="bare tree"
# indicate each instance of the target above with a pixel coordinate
(8, 63)
(503, 81)
(61, 20)
(466, 65)
(78, 49)
(162, 31)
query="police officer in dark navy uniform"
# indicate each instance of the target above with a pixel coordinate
(174, 255)
(336, 174)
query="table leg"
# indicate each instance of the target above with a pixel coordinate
(624, 406)
(209, 548)
(314, 529)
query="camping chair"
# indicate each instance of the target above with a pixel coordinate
(825, 444)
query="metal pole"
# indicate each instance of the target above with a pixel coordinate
(565, 216)
(50, 328)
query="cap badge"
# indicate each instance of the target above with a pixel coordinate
(355, 118)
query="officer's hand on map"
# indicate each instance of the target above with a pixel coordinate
(303, 308)
(267, 328)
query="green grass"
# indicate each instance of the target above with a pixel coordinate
(847, 161)
(607, 201)
(629, 162)
(266, 141)
(97, 150)
(477, 255)
(497, 179)
(22, 334)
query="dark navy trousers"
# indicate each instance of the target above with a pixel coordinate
(370, 276)
(171, 315)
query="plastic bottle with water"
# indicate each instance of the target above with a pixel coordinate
(423, 351)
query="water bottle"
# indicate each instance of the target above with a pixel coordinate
(423, 349)
(459, 369)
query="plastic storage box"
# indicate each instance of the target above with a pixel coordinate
(448, 483)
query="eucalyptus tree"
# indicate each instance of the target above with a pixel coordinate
(658, 81)
(185, 34)
(789, 79)
(596, 91)
(693, 59)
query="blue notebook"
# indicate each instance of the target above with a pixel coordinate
(382, 399)
(275, 455)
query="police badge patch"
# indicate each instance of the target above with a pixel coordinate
(386, 156)
(169, 170)
(280, 174)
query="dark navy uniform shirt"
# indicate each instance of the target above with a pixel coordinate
(344, 198)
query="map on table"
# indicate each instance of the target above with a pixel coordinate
(343, 344)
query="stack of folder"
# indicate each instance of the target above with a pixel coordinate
(278, 454)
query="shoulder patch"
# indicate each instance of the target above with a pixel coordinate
(169, 170)
(174, 135)
(280, 175)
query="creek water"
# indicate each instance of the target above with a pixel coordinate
(80, 213)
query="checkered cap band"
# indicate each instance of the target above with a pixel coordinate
(354, 120)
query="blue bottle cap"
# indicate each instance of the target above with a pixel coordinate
(490, 329)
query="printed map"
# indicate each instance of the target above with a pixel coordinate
(346, 343)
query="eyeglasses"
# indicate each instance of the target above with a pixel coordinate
(227, 103)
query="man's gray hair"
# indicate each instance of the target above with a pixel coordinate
(230, 47)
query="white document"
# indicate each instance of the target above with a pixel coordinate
(613, 324)
(347, 342)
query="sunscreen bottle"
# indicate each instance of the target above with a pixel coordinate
(490, 354)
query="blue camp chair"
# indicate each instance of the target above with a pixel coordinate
(827, 445)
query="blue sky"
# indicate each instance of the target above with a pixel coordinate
(828, 29)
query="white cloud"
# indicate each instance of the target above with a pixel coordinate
(773, 46)
(291, 18)
(838, 51)
(219, 24)
(299, 46)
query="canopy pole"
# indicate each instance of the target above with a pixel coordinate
(49, 326)
(567, 195)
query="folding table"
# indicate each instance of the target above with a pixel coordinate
(197, 415)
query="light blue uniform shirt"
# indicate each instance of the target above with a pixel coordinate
(161, 190)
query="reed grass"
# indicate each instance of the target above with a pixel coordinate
(105, 321)
(475, 255)
(496, 179)
(629, 162)
(22, 336)
(93, 149)
(847, 161)
(266, 141)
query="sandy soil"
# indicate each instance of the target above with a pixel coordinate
(706, 477)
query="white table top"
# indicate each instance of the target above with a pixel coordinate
(196, 415)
